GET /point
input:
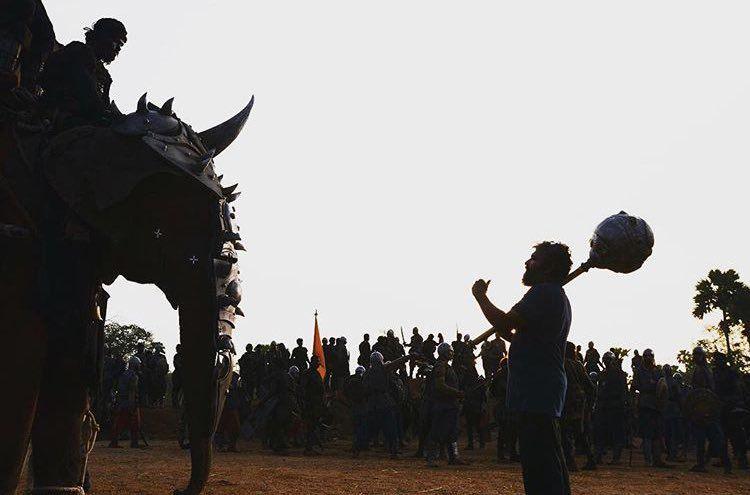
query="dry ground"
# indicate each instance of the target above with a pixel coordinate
(163, 467)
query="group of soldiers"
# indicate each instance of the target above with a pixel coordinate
(426, 388)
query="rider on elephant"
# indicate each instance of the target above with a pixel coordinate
(75, 80)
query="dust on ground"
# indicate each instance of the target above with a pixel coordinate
(164, 467)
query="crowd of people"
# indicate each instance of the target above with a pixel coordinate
(426, 390)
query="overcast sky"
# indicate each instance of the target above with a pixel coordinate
(398, 150)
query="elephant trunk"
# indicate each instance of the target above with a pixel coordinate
(206, 324)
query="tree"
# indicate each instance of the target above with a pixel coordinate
(122, 340)
(711, 345)
(720, 291)
(620, 353)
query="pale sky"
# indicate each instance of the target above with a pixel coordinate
(398, 150)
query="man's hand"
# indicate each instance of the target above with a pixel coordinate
(479, 288)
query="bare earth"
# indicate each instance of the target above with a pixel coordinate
(163, 467)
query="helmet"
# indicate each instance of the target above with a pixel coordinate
(444, 350)
(376, 358)
(389, 333)
(593, 376)
(466, 337)
(699, 350)
(134, 363)
(359, 370)
(609, 355)
(342, 340)
(648, 353)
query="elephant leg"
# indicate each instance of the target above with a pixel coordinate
(56, 436)
(22, 335)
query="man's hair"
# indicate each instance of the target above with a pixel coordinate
(112, 27)
(556, 258)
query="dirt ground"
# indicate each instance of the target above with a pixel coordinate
(163, 467)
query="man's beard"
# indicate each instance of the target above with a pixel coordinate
(531, 277)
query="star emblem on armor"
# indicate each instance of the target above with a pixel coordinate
(158, 233)
(193, 259)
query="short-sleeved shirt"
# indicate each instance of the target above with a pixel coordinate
(536, 360)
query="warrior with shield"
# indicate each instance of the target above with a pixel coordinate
(702, 409)
(611, 407)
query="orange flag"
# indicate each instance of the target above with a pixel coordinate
(318, 349)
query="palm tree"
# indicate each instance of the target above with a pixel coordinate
(720, 291)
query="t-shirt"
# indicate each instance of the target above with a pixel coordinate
(536, 360)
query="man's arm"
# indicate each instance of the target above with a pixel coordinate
(396, 363)
(501, 321)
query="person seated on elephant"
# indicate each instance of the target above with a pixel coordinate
(75, 80)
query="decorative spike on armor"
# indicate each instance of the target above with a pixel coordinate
(166, 109)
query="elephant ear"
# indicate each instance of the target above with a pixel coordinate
(93, 168)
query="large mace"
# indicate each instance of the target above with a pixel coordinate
(621, 243)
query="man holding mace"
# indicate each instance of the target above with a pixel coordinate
(538, 328)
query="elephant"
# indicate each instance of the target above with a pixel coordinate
(138, 198)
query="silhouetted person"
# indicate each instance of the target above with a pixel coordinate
(177, 376)
(708, 428)
(428, 348)
(537, 382)
(637, 361)
(445, 394)
(611, 407)
(729, 389)
(579, 395)
(355, 393)
(415, 348)
(75, 80)
(645, 380)
(126, 405)
(364, 352)
(312, 406)
(458, 349)
(492, 352)
(248, 363)
(592, 359)
(299, 356)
